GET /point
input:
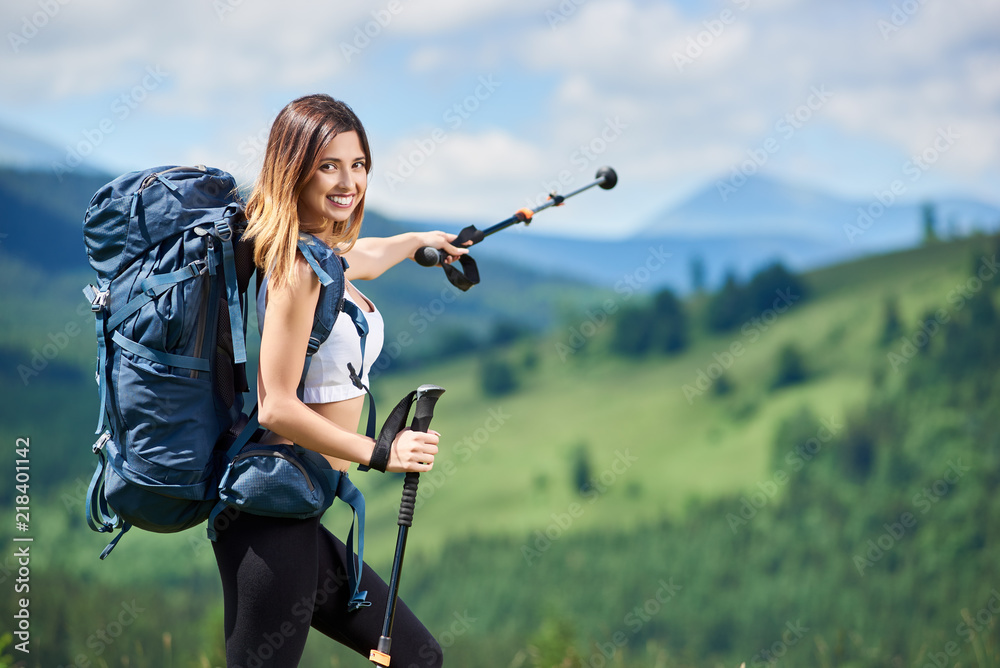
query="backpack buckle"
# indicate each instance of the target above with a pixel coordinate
(101, 442)
(312, 346)
(224, 229)
(99, 301)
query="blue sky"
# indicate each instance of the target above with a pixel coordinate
(476, 109)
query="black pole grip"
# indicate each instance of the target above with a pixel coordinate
(409, 500)
(428, 256)
(427, 396)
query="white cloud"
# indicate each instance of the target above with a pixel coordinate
(464, 173)
(574, 64)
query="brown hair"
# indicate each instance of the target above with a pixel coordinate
(297, 139)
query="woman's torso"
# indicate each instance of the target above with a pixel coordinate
(338, 400)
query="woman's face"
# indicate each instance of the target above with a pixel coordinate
(338, 184)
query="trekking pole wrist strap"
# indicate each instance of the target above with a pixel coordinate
(380, 455)
(392, 426)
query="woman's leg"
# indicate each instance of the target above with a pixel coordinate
(268, 568)
(412, 645)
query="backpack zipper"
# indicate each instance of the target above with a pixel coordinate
(279, 455)
(155, 176)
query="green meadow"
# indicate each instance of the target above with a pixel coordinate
(610, 510)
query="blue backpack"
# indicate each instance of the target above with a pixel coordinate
(170, 307)
(170, 302)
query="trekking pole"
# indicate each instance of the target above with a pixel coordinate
(429, 256)
(426, 397)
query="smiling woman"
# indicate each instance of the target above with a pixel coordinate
(311, 190)
(337, 184)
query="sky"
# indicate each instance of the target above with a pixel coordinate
(475, 109)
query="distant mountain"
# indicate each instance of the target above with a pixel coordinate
(42, 217)
(761, 222)
(20, 150)
(760, 206)
(763, 206)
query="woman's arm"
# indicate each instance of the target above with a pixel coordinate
(290, 312)
(372, 256)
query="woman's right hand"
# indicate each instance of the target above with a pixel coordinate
(413, 451)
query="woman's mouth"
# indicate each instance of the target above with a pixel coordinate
(341, 200)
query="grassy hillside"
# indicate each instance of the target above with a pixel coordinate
(504, 511)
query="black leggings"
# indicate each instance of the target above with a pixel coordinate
(281, 576)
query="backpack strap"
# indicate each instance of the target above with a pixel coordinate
(352, 496)
(361, 325)
(331, 303)
(169, 359)
(98, 304)
(99, 516)
(225, 232)
(153, 287)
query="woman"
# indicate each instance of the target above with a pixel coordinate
(281, 576)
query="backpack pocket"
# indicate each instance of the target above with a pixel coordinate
(277, 481)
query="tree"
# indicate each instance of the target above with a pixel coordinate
(791, 367)
(582, 470)
(697, 274)
(769, 284)
(929, 219)
(669, 323)
(497, 377)
(726, 308)
(892, 326)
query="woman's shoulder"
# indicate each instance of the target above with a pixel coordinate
(302, 278)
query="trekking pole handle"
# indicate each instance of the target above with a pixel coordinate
(423, 411)
(427, 396)
(606, 178)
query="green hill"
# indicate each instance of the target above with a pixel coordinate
(557, 510)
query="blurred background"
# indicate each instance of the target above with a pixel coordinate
(740, 408)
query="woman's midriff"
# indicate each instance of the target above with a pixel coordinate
(345, 414)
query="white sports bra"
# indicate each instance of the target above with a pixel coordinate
(328, 378)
